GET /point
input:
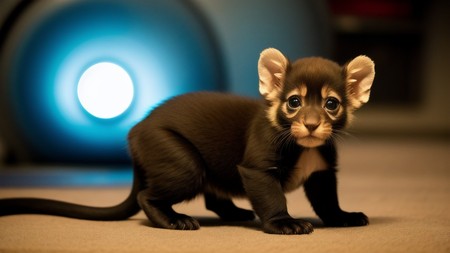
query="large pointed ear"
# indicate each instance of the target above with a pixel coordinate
(360, 74)
(272, 67)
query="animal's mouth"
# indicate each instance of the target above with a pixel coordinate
(310, 138)
(310, 141)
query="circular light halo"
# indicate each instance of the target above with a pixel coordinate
(105, 90)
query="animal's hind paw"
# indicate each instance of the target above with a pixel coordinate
(184, 222)
(345, 219)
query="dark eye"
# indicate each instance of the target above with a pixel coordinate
(332, 104)
(294, 102)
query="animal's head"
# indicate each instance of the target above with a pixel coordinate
(313, 98)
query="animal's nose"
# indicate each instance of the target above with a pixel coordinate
(312, 127)
(311, 121)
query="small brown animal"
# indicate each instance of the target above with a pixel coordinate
(225, 146)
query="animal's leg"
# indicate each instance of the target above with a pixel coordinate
(174, 172)
(321, 191)
(268, 200)
(162, 215)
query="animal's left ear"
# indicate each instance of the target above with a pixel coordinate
(360, 73)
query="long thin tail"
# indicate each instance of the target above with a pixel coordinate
(122, 211)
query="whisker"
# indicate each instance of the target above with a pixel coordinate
(283, 139)
(340, 135)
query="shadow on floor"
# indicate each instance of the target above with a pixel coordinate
(254, 225)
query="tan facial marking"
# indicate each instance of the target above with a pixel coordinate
(332, 93)
(303, 90)
(329, 92)
(325, 91)
(272, 113)
(293, 93)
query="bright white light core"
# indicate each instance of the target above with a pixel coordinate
(105, 90)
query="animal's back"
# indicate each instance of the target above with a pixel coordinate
(214, 125)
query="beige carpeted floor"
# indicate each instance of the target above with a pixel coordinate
(402, 185)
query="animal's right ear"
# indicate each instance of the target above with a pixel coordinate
(272, 66)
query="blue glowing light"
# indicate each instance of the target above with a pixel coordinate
(162, 45)
(105, 90)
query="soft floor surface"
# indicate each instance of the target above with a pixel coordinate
(403, 186)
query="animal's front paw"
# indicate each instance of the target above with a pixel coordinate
(345, 219)
(287, 226)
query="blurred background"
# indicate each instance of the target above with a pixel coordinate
(57, 124)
